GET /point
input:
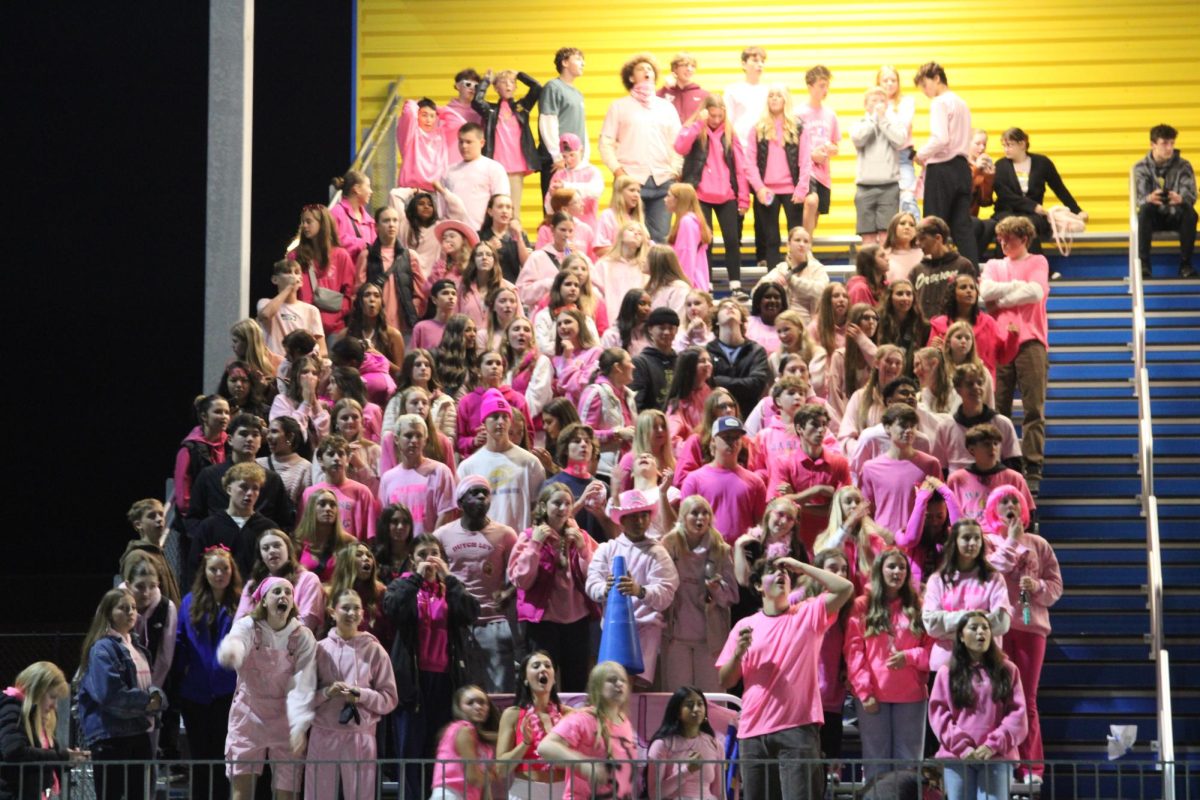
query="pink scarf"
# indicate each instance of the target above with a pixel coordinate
(642, 92)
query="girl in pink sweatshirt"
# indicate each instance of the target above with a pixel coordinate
(685, 756)
(690, 235)
(1034, 582)
(935, 510)
(356, 688)
(887, 661)
(965, 582)
(977, 712)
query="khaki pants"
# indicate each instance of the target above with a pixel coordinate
(1028, 372)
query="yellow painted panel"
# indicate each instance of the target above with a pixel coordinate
(1086, 79)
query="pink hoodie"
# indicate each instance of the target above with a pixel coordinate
(1029, 555)
(364, 664)
(866, 657)
(424, 155)
(183, 460)
(961, 730)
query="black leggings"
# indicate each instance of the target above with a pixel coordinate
(731, 232)
(766, 226)
(566, 642)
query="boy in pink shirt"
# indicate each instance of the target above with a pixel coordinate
(822, 134)
(972, 484)
(475, 177)
(775, 653)
(424, 155)
(459, 112)
(356, 502)
(737, 495)
(890, 481)
(1015, 289)
(477, 551)
(775, 443)
(947, 173)
(811, 474)
(424, 486)
(286, 312)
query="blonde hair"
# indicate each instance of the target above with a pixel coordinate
(35, 682)
(617, 203)
(257, 355)
(643, 248)
(675, 541)
(643, 434)
(595, 697)
(873, 392)
(942, 388)
(808, 347)
(861, 538)
(687, 202)
(899, 84)
(765, 127)
(972, 354)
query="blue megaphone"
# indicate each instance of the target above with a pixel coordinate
(619, 640)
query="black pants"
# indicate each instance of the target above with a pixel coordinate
(1150, 219)
(731, 231)
(948, 195)
(766, 226)
(567, 645)
(117, 781)
(207, 724)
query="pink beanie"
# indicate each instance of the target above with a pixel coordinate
(493, 402)
(264, 587)
(470, 482)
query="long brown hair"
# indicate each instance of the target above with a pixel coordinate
(315, 252)
(878, 617)
(854, 360)
(101, 622)
(873, 392)
(994, 662)
(826, 324)
(205, 606)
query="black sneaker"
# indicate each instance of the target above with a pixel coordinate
(1187, 271)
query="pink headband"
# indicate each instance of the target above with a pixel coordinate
(263, 587)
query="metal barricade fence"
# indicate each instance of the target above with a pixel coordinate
(837, 780)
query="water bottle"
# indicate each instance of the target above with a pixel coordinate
(1025, 609)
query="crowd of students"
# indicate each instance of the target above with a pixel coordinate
(433, 441)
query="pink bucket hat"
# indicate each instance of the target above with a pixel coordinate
(454, 225)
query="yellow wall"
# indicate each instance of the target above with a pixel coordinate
(1085, 78)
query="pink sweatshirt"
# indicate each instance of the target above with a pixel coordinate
(469, 419)
(675, 781)
(1033, 556)
(866, 657)
(1015, 292)
(451, 117)
(949, 129)
(340, 275)
(994, 344)
(891, 485)
(364, 664)
(961, 730)
(183, 461)
(820, 127)
(909, 540)
(358, 506)
(586, 180)
(424, 157)
(692, 252)
(715, 186)
(971, 489)
(944, 606)
(548, 591)
(575, 373)
(777, 177)
(647, 563)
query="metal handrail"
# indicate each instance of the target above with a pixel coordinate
(1149, 502)
(383, 122)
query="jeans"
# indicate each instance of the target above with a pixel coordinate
(731, 231)
(491, 664)
(791, 780)
(126, 781)
(896, 731)
(977, 780)
(658, 221)
(1029, 372)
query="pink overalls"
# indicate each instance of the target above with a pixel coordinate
(276, 680)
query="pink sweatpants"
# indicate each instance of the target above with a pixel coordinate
(355, 748)
(1028, 651)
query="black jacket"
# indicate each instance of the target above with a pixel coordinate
(208, 495)
(400, 274)
(1010, 200)
(697, 157)
(400, 606)
(793, 160)
(25, 773)
(747, 377)
(652, 373)
(490, 114)
(219, 528)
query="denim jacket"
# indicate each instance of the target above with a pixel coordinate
(110, 703)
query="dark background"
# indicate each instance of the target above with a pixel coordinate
(105, 136)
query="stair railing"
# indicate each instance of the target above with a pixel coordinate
(376, 155)
(1158, 652)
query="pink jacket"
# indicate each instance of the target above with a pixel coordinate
(866, 657)
(575, 373)
(961, 730)
(355, 235)
(364, 664)
(183, 464)
(545, 588)
(692, 252)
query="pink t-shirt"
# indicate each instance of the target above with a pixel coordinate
(779, 670)
(357, 505)
(427, 492)
(450, 772)
(738, 497)
(1030, 317)
(820, 126)
(669, 781)
(297, 316)
(428, 334)
(478, 559)
(507, 149)
(581, 732)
